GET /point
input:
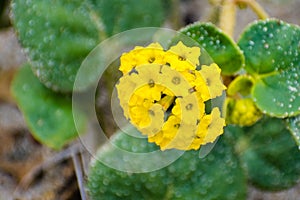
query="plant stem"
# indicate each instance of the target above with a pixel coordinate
(175, 15)
(79, 175)
(228, 13)
(214, 14)
(258, 9)
(228, 16)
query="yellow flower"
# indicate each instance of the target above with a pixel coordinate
(156, 113)
(171, 126)
(163, 95)
(212, 76)
(203, 127)
(201, 87)
(139, 116)
(185, 54)
(167, 101)
(142, 55)
(175, 62)
(151, 91)
(189, 108)
(242, 112)
(139, 101)
(168, 92)
(128, 62)
(196, 143)
(159, 139)
(190, 76)
(182, 139)
(175, 134)
(176, 110)
(211, 126)
(126, 88)
(146, 74)
(149, 120)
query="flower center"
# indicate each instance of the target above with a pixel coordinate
(189, 106)
(176, 80)
(181, 58)
(151, 83)
(151, 60)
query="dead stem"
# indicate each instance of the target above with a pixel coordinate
(228, 17)
(256, 7)
(79, 174)
(228, 13)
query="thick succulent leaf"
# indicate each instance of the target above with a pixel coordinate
(196, 178)
(241, 85)
(268, 153)
(58, 35)
(217, 176)
(121, 15)
(293, 124)
(223, 50)
(271, 50)
(47, 114)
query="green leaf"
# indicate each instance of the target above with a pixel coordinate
(47, 114)
(217, 176)
(271, 49)
(241, 85)
(220, 47)
(268, 152)
(121, 15)
(58, 35)
(293, 124)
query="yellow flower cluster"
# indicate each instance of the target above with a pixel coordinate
(163, 95)
(242, 112)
